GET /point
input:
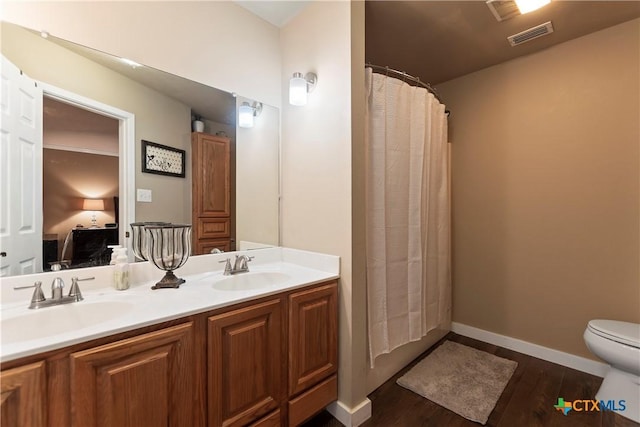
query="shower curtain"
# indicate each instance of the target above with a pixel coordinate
(407, 213)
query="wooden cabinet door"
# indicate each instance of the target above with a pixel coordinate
(211, 192)
(211, 175)
(148, 380)
(245, 357)
(313, 336)
(23, 393)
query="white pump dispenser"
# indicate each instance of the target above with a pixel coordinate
(121, 270)
(114, 253)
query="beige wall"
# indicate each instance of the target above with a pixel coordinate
(257, 178)
(217, 43)
(158, 118)
(316, 163)
(101, 143)
(546, 190)
(68, 178)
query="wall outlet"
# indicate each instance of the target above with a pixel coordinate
(143, 195)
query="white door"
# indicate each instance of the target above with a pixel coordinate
(20, 173)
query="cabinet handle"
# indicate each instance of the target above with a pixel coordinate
(3, 254)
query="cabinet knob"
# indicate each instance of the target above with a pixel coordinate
(3, 254)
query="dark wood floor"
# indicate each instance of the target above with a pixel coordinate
(527, 400)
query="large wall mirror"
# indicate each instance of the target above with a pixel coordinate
(87, 181)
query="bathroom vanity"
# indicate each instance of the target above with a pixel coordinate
(256, 349)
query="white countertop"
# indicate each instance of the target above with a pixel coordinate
(58, 327)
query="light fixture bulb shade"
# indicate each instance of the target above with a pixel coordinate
(245, 116)
(526, 6)
(297, 90)
(93, 205)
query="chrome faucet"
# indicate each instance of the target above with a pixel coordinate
(57, 298)
(240, 265)
(56, 288)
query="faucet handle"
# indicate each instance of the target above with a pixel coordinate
(74, 292)
(38, 295)
(227, 266)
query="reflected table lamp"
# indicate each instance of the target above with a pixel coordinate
(93, 205)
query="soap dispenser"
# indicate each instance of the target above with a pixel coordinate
(121, 270)
(114, 253)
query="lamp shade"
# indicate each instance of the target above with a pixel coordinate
(245, 115)
(297, 90)
(93, 205)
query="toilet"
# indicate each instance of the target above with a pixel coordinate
(618, 344)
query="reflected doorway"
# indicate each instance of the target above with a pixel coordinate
(118, 209)
(80, 185)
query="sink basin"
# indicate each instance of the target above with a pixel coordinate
(249, 281)
(44, 322)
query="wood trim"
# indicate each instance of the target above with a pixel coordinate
(59, 384)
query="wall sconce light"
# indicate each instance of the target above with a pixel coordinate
(300, 86)
(93, 205)
(247, 112)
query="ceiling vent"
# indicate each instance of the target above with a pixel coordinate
(531, 33)
(503, 10)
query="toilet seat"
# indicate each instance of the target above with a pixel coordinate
(622, 332)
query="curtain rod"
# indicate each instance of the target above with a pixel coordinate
(405, 77)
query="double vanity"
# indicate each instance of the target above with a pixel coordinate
(257, 348)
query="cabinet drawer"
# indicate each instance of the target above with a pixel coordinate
(213, 228)
(272, 420)
(203, 247)
(312, 401)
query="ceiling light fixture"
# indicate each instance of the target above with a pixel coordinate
(527, 6)
(300, 86)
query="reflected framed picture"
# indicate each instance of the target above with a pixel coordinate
(162, 159)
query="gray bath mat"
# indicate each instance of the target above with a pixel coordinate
(464, 380)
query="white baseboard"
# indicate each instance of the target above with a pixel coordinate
(561, 358)
(351, 417)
